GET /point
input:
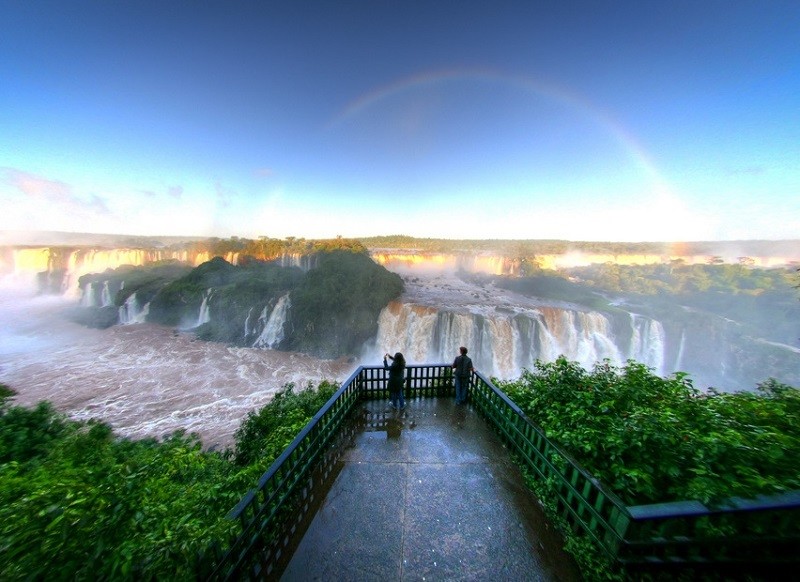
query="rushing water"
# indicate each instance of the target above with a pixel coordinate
(144, 380)
(507, 332)
(148, 380)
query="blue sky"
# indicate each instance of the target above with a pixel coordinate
(625, 121)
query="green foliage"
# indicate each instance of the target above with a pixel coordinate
(244, 293)
(553, 286)
(76, 500)
(653, 439)
(5, 394)
(263, 435)
(266, 248)
(146, 281)
(335, 308)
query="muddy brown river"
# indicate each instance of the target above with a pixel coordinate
(144, 380)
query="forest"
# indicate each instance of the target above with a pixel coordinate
(334, 306)
(266, 247)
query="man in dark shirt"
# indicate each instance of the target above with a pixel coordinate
(462, 372)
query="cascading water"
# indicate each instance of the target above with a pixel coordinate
(272, 334)
(105, 297)
(130, 312)
(87, 295)
(681, 347)
(648, 342)
(204, 316)
(247, 331)
(502, 344)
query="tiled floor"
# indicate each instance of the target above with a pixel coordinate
(428, 493)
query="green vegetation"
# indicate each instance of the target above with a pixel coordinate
(266, 248)
(764, 300)
(266, 433)
(728, 321)
(554, 286)
(530, 248)
(76, 500)
(335, 305)
(146, 281)
(653, 439)
(335, 308)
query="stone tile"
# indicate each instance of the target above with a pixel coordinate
(428, 493)
(356, 533)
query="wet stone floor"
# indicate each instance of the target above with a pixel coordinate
(428, 493)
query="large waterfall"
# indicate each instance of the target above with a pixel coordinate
(272, 332)
(503, 343)
(68, 264)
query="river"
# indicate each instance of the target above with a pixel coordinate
(144, 380)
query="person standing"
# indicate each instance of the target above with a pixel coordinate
(462, 371)
(397, 373)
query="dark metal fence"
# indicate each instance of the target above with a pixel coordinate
(761, 533)
(755, 536)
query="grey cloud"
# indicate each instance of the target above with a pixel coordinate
(175, 191)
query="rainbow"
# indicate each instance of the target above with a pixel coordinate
(547, 90)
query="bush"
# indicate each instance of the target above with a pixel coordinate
(264, 435)
(77, 501)
(653, 439)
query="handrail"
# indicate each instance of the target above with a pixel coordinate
(766, 530)
(678, 533)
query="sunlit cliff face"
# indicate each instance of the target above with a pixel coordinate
(25, 263)
(499, 265)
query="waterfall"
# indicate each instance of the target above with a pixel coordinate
(302, 261)
(205, 315)
(130, 312)
(247, 330)
(106, 296)
(502, 344)
(647, 342)
(408, 329)
(87, 295)
(681, 346)
(272, 334)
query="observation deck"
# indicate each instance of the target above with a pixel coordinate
(435, 492)
(428, 493)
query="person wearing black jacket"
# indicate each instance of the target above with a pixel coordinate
(396, 379)
(462, 372)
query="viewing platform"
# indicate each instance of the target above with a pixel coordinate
(428, 493)
(436, 492)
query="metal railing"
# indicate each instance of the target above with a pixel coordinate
(757, 533)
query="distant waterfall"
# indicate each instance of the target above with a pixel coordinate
(302, 261)
(247, 330)
(88, 295)
(681, 347)
(272, 333)
(105, 298)
(648, 342)
(502, 344)
(205, 315)
(130, 312)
